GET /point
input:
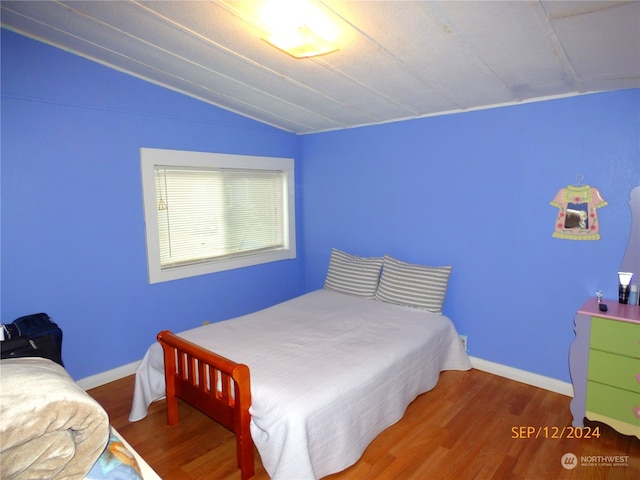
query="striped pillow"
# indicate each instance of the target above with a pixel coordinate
(413, 285)
(352, 274)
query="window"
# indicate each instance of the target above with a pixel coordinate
(208, 212)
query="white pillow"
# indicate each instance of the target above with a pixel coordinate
(413, 285)
(352, 274)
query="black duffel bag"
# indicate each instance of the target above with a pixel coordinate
(43, 346)
(33, 327)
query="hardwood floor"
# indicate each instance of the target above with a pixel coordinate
(463, 429)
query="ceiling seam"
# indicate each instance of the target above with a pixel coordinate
(558, 49)
(405, 67)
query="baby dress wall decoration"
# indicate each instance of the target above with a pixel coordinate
(577, 217)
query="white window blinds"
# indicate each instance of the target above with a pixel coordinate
(206, 214)
(209, 212)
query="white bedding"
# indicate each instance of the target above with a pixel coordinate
(311, 416)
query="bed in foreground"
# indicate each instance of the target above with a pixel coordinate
(329, 371)
(50, 428)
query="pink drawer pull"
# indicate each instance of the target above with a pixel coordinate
(638, 377)
(636, 411)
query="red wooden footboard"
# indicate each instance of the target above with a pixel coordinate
(214, 385)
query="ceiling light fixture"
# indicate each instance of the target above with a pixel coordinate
(298, 29)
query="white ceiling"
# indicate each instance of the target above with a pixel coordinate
(397, 59)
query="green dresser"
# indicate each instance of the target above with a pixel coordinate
(604, 361)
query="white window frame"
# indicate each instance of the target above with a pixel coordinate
(150, 158)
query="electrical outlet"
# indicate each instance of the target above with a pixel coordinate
(206, 322)
(463, 339)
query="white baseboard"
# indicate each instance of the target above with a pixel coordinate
(540, 381)
(108, 376)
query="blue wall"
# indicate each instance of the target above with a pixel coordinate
(73, 239)
(472, 190)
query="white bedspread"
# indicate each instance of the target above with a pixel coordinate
(311, 415)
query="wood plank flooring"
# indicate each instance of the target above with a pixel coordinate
(462, 429)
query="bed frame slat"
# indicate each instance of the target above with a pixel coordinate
(213, 384)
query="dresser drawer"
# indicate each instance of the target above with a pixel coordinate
(614, 336)
(615, 370)
(613, 402)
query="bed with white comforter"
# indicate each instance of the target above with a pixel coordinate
(329, 372)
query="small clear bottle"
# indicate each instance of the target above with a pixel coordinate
(633, 294)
